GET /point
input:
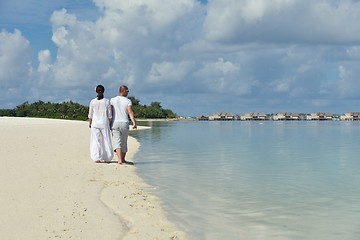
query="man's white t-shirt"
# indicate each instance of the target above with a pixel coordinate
(120, 105)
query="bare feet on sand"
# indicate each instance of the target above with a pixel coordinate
(125, 162)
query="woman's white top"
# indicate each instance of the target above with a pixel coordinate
(100, 112)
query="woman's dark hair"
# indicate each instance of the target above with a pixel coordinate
(100, 91)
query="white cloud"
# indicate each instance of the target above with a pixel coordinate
(15, 67)
(15, 58)
(168, 71)
(257, 54)
(282, 21)
(349, 83)
(281, 87)
(109, 74)
(125, 43)
(353, 53)
(44, 57)
(159, 14)
(220, 75)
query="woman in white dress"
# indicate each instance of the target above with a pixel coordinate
(100, 117)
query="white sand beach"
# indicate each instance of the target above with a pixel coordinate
(51, 189)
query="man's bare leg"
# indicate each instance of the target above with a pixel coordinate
(123, 154)
(118, 154)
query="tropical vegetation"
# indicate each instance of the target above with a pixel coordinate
(75, 111)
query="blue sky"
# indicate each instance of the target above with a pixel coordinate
(195, 57)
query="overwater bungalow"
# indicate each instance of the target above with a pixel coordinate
(320, 116)
(222, 116)
(350, 116)
(253, 116)
(286, 116)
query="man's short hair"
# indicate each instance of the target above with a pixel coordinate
(123, 88)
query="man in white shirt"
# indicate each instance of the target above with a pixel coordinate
(122, 110)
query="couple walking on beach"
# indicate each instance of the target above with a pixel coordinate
(105, 115)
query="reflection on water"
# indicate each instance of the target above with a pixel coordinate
(256, 180)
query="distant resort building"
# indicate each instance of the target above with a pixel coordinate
(253, 116)
(319, 116)
(222, 116)
(203, 118)
(285, 116)
(351, 116)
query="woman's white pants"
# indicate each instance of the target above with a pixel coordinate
(100, 144)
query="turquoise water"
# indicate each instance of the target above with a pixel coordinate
(256, 180)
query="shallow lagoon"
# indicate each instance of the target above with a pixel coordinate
(256, 180)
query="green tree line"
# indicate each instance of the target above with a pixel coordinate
(155, 110)
(40, 109)
(75, 111)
